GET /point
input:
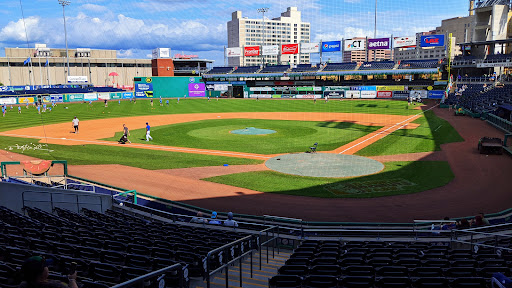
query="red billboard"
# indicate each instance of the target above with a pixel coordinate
(290, 49)
(251, 51)
(384, 94)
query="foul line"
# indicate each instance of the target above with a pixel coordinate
(383, 131)
(149, 147)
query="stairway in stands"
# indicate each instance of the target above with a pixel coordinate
(260, 277)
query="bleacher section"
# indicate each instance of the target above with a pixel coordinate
(333, 263)
(246, 69)
(379, 65)
(340, 66)
(220, 70)
(109, 248)
(275, 69)
(492, 58)
(418, 64)
(305, 68)
(478, 98)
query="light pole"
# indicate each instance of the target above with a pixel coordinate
(263, 11)
(65, 3)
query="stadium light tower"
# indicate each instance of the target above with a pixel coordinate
(263, 11)
(65, 3)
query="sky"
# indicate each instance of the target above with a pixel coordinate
(135, 27)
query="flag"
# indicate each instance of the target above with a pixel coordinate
(46, 64)
(27, 61)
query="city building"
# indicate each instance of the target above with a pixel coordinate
(421, 53)
(286, 29)
(48, 66)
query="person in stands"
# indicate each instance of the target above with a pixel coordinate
(230, 222)
(35, 275)
(463, 224)
(199, 219)
(214, 220)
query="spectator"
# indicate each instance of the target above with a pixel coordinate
(477, 222)
(484, 220)
(447, 224)
(199, 219)
(35, 274)
(230, 222)
(214, 220)
(463, 224)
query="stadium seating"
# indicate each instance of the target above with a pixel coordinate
(109, 248)
(387, 264)
(480, 99)
(220, 70)
(498, 58)
(379, 65)
(418, 64)
(305, 68)
(340, 66)
(246, 70)
(275, 69)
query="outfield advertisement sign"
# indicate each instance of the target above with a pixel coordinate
(196, 90)
(378, 43)
(364, 88)
(114, 95)
(334, 94)
(331, 46)
(351, 94)
(250, 51)
(435, 94)
(46, 99)
(23, 100)
(309, 89)
(307, 96)
(384, 94)
(289, 49)
(129, 95)
(57, 98)
(432, 41)
(404, 42)
(73, 97)
(234, 52)
(104, 96)
(270, 50)
(368, 94)
(336, 88)
(144, 90)
(354, 45)
(391, 88)
(400, 94)
(309, 48)
(7, 101)
(261, 89)
(90, 96)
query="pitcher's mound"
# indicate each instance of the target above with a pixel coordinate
(324, 165)
(253, 131)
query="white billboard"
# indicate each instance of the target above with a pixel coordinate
(354, 45)
(310, 48)
(352, 94)
(404, 42)
(368, 94)
(234, 52)
(77, 79)
(8, 101)
(161, 53)
(270, 50)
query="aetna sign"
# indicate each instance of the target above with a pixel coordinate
(251, 51)
(380, 43)
(290, 49)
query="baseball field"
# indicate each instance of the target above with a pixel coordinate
(197, 133)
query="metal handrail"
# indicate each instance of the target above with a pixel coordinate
(130, 283)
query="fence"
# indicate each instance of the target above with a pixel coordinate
(160, 275)
(65, 198)
(499, 122)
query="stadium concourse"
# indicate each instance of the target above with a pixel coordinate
(465, 195)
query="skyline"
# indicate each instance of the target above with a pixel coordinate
(134, 28)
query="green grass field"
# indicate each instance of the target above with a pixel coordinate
(396, 178)
(291, 136)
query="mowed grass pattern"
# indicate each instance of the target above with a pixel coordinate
(290, 136)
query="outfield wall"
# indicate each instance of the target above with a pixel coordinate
(60, 98)
(169, 87)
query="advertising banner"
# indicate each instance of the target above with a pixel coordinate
(129, 95)
(368, 94)
(161, 53)
(384, 94)
(276, 96)
(432, 41)
(196, 90)
(143, 90)
(104, 96)
(77, 79)
(261, 89)
(116, 95)
(234, 52)
(390, 88)
(334, 94)
(308, 96)
(261, 96)
(416, 94)
(351, 94)
(46, 99)
(354, 45)
(336, 88)
(435, 94)
(251, 51)
(400, 94)
(310, 48)
(74, 97)
(290, 49)
(23, 100)
(7, 100)
(57, 98)
(404, 42)
(270, 50)
(331, 46)
(364, 88)
(90, 97)
(221, 87)
(378, 43)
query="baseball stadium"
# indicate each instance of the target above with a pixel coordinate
(368, 160)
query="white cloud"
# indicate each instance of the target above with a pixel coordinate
(93, 8)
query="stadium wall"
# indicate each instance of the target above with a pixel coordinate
(169, 87)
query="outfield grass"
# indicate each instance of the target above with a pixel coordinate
(64, 112)
(97, 154)
(429, 136)
(396, 178)
(291, 136)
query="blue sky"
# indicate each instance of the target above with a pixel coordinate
(134, 27)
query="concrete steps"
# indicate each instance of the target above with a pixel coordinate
(259, 277)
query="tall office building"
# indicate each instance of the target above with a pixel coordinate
(286, 29)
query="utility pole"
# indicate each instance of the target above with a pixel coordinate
(65, 3)
(263, 11)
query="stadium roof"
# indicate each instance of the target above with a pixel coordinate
(490, 42)
(327, 73)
